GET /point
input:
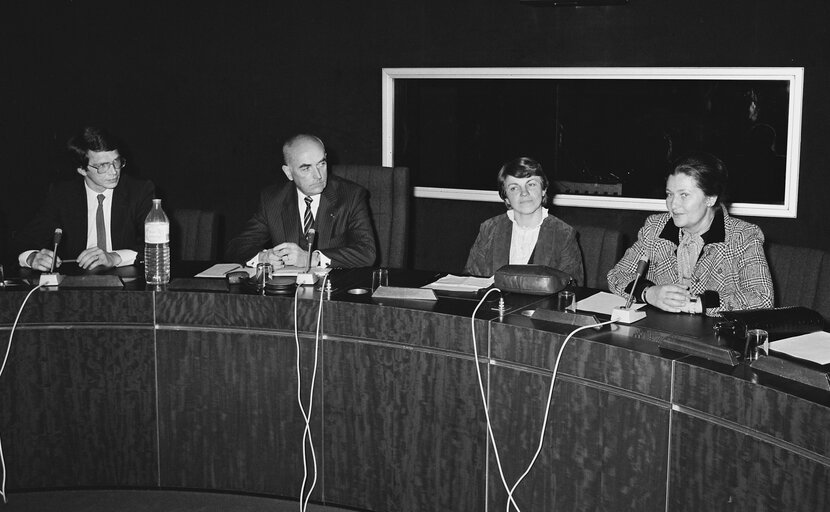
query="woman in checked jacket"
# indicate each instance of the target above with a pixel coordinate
(700, 258)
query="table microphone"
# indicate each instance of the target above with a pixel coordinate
(307, 277)
(625, 314)
(309, 237)
(50, 278)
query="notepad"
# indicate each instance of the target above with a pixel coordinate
(223, 269)
(397, 292)
(814, 347)
(460, 283)
(604, 302)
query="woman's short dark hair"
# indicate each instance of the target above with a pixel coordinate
(522, 167)
(708, 171)
(90, 139)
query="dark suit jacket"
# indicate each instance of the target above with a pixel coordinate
(344, 229)
(65, 208)
(556, 247)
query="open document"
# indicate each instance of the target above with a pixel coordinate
(604, 302)
(223, 269)
(453, 283)
(814, 347)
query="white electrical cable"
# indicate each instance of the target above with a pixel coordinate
(3, 367)
(305, 496)
(508, 489)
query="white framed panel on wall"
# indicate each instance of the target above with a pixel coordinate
(723, 107)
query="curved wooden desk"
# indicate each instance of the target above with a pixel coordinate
(197, 390)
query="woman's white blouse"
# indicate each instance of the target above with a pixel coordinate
(524, 239)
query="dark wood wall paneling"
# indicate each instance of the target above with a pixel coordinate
(398, 423)
(203, 94)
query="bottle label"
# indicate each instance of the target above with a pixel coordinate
(156, 233)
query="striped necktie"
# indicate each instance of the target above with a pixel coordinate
(308, 218)
(100, 229)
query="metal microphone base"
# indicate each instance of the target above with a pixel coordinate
(50, 279)
(627, 316)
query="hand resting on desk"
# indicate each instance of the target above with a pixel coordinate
(673, 298)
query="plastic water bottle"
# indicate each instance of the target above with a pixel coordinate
(157, 246)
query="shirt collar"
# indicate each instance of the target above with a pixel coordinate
(512, 216)
(94, 195)
(715, 234)
(301, 198)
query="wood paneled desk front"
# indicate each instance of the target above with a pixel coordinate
(197, 390)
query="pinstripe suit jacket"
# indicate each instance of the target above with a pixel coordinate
(731, 272)
(344, 229)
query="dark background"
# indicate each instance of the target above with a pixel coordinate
(204, 93)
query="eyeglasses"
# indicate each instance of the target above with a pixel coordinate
(106, 167)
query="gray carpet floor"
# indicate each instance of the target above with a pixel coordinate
(146, 501)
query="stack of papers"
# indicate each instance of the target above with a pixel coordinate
(604, 302)
(223, 269)
(461, 283)
(291, 270)
(814, 347)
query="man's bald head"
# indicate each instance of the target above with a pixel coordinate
(305, 163)
(290, 146)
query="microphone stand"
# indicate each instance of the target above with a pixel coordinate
(625, 314)
(51, 278)
(307, 277)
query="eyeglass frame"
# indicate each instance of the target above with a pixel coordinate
(105, 167)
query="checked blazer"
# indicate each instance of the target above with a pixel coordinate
(731, 272)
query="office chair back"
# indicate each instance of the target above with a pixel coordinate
(601, 249)
(796, 274)
(389, 196)
(193, 235)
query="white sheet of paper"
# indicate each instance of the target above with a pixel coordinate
(291, 270)
(814, 347)
(219, 270)
(460, 283)
(604, 302)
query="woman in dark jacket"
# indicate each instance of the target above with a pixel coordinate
(526, 233)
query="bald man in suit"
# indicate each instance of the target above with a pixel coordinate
(336, 208)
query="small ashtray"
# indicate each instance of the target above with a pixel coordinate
(358, 291)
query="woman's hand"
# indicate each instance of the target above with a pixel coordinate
(669, 297)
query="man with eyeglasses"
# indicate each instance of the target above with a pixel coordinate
(336, 208)
(102, 215)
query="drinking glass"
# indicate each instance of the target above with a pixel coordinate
(566, 301)
(380, 277)
(758, 342)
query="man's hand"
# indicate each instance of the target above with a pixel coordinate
(291, 254)
(42, 260)
(270, 256)
(97, 257)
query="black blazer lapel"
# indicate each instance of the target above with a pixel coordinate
(75, 221)
(290, 216)
(118, 215)
(501, 243)
(324, 221)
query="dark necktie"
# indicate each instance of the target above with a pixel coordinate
(308, 218)
(99, 224)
